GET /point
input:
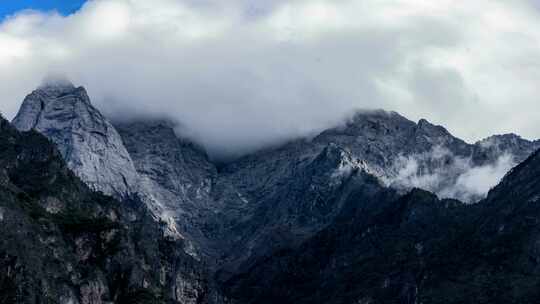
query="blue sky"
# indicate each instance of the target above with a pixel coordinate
(8, 7)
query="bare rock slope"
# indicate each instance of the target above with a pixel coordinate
(88, 142)
(233, 216)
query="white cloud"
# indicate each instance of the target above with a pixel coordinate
(242, 74)
(448, 175)
(477, 181)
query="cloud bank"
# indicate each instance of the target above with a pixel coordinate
(448, 175)
(243, 74)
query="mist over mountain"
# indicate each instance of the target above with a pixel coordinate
(419, 155)
(227, 223)
(242, 76)
(242, 152)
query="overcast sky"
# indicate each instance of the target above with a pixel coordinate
(240, 74)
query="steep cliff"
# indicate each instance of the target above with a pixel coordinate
(87, 141)
(63, 243)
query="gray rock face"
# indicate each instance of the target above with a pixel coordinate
(175, 176)
(293, 209)
(512, 144)
(406, 155)
(88, 142)
(88, 248)
(278, 197)
(233, 216)
(400, 152)
(412, 249)
(380, 137)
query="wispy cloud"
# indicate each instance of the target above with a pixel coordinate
(448, 175)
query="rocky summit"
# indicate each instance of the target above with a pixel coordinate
(89, 144)
(63, 243)
(379, 209)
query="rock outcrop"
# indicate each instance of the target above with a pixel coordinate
(175, 178)
(88, 142)
(63, 243)
(314, 206)
(412, 249)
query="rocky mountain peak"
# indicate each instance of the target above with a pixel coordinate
(430, 134)
(502, 139)
(56, 87)
(505, 144)
(57, 97)
(370, 122)
(62, 242)
(426, 126)
(283, 197)
(88, 142)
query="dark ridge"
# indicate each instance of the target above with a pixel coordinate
(55, 231)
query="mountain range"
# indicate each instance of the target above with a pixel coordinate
(379, 209)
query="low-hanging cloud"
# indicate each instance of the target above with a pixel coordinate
(240, 75)
(448, 175)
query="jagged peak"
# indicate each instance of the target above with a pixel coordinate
(50, 91)
(90, 145)
(56, 81)
(377, 114)
(56, 85)
(375, 120)
(424, 125)
(53, 89)
(508, 137)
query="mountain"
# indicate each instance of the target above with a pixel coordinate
(94, 150)
(512, 144)
(88, 142)
(297, 222)
(412, 249)
(175, 175)
(294, 208)
(273, 196)
(63, 243)
(407, 155)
